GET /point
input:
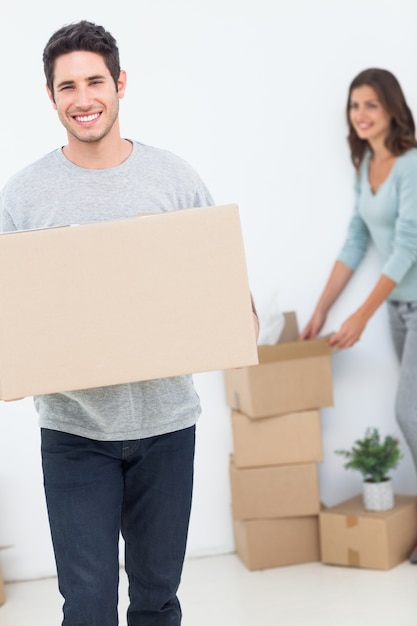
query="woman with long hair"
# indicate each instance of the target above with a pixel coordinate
(383, 150)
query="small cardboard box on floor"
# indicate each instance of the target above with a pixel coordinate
(2, 594)
(274, 491)
(291, 376)
(115, 302)
(277, 440)
(266, 543)
(353, 537)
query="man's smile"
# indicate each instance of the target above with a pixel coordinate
(86, 118)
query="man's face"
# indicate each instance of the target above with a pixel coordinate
(85, 95)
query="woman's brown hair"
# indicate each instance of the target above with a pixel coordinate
(401, 135)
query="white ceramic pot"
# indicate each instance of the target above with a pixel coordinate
(378, 496)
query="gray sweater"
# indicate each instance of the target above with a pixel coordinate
(54, 192)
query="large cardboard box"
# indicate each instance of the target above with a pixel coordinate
(266, 543)
(277, 440)
(351, 536)
(274, 491)
(291, 376)
(115, 302)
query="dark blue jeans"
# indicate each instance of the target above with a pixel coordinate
(95, 490)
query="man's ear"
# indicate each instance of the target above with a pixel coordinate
(121, 84)
(51, 96)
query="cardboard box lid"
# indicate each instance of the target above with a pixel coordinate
(116, 302)
(353, 509)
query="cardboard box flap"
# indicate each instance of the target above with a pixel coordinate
(290, 331)
(294, 350)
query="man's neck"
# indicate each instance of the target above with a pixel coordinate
(97, 155)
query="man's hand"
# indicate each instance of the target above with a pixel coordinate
(255, 318)
(256, 324)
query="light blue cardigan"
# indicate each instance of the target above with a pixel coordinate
(388, 218)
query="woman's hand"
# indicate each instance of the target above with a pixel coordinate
(314, 326)
(350, 332)
(352, 329)
(336, 282)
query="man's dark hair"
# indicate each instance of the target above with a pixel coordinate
(81, 36)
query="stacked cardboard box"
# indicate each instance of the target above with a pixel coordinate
(277, 446)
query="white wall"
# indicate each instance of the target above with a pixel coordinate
(252, 94)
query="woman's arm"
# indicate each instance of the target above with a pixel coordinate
(337, 281)
(403, 256)
(353, 327)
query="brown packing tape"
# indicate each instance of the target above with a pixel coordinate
(351, 520)
(353, 558)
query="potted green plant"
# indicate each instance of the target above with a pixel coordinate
(374, 457)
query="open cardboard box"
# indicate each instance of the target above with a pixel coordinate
(353, 537)
(116, 302)
(291, 376)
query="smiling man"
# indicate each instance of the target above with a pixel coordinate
(120, 458)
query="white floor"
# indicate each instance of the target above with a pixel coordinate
(220, 591)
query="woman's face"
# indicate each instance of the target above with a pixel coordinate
(367, 115)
